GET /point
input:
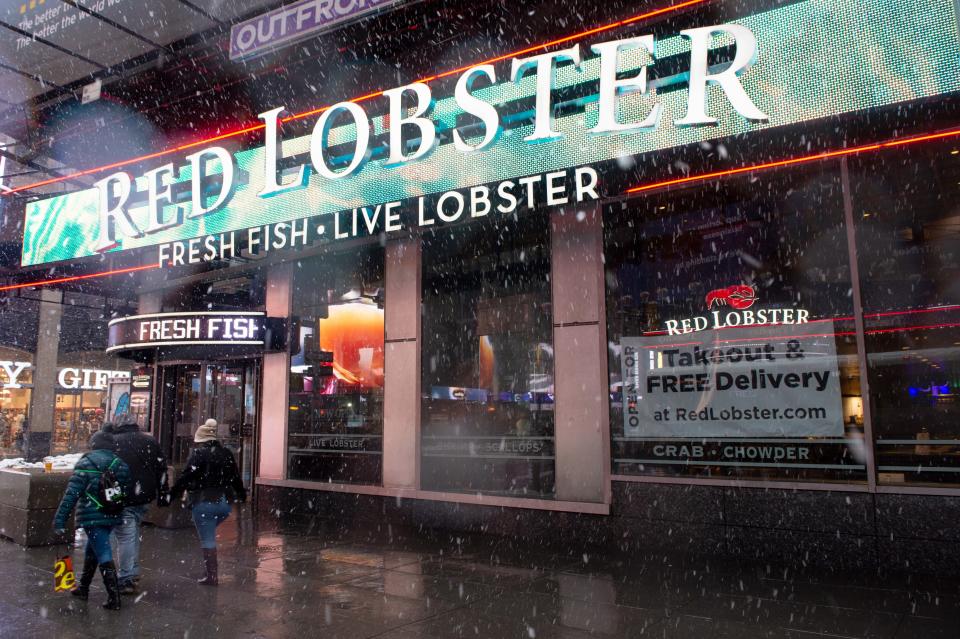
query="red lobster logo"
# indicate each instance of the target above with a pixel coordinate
(738, 297)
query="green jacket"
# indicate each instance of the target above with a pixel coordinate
(82, 490)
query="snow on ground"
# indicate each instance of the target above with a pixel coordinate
(60, 462)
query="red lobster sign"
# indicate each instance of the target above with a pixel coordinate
(737, 297)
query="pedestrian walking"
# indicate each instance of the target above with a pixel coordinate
(94, 513)
(212, 481)
(20, 441)
(148, 483)
(5, 427)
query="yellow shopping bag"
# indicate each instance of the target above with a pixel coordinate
(63, 577)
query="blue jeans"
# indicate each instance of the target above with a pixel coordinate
(207, 515)
(98, 543)
(128, 543)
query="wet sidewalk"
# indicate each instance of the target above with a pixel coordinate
(283, 584)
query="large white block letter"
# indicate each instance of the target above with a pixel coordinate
(746, 45)
(611, 87)
(399, 118)
(159, 195)
(116, 217)
(544, 63)
(271, 153)
(476, 107)
(318, 140)
(198, 170)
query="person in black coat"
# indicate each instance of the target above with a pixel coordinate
(148, 475)
(212, 480)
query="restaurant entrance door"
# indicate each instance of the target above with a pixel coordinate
(193, 392)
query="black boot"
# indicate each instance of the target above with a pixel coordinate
(86, 576)
(210, 565)
(109, 572)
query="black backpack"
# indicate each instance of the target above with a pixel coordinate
(110, 497)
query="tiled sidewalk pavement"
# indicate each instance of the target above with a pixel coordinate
(277, 585)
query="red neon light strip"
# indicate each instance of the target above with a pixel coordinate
(936, 309)
(838, 334)
(752, 339)
(877, 331)
(725, 328)
(256, 127)
(889, 144)
(74, 278)
(849, 318)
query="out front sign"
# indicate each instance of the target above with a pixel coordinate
(760, 381)
(187, 329)
(431, 158)
(294, 22)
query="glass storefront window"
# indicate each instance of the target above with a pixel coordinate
(223, 291)
(83, 386)
(731, 332)
(81, 381)
(16, 382)
(908, 245)
(18, 334)
(187, 411)
(85, 374)
(487, 421)
(78, 415)
(335, 430)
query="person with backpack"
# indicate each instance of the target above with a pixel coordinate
(212, 480)
(96, 490)
(148, 477)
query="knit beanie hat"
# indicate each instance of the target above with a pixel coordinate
(207, 432)
(102, 440)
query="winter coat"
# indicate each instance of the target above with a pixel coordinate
(85, 484)
(210, 474)
(148, 466)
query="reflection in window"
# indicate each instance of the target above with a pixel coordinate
(244, 292)
(336, 369)
(15, 394)
(908, 245)
(731, 333)
(88, 383)
(187, 415)
(18, 334)
(487, 360)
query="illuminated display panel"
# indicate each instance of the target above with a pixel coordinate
(336, 384)
(186, 329)
(806, 70)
